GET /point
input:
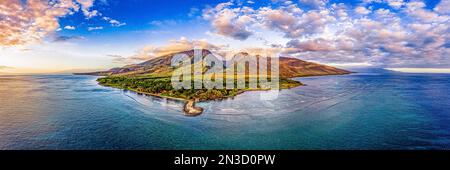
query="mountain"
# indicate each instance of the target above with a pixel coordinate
(292, 67)
(289, 67)
(153, 77)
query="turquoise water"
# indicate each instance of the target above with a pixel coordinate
(358, 111)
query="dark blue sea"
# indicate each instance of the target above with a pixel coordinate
(384, 110)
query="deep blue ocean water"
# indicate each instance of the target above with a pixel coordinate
(358, 111)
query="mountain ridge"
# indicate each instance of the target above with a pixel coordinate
(288, 67)
(153, 77)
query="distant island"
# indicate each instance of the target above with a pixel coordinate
(153, 77)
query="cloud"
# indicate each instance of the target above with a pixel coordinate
(24, 22)
(5, 67)
(319, 44)
(114, 22)
(288, 18)
(295, 23)
(94, 28)
(443, 7)
(314, 3)
(86, 6)
(406, 33)
(417, 10)
(173, 46)
(228, 22)
(183, 44)
(119, 59)
(66, 38)
(279, 19)
(193, 11)
(262, 51)
(160, 23)
(395, 3)
(30, 21)
(362, 10)
(68, 27)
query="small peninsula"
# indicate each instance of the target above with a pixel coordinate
(153, 78)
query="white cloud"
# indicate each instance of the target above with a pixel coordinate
(68, 27)
(409, 35)
(228, 22)
(395, 3)
(94, 28)
(314, 3)
(319, 44)
(362, 10)
(443, 7)
(114, 22)
(86, 6)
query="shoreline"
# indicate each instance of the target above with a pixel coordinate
(189, 107)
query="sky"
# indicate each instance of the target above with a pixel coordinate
(50, 36)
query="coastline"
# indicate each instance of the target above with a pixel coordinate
(189, 107)
(157, 95)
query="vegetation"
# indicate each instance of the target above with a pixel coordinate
(161, 86)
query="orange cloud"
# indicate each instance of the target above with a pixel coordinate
(31, 21)
(22, 22)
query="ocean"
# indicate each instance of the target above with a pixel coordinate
(384, 110)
